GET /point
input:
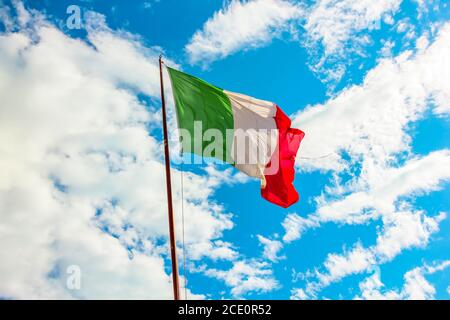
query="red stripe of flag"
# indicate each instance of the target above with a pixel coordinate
(279, 188)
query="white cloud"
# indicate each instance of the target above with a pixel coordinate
(271, 248)
(331, 29)
(368, 129)
(422, 42)
(416, 286)
(334, 22)
(333, 32)
(377, 197)
(371, 120)
(385, 185)
(404, 25)
(294, 225)
(337, 266)
(246, 276)
(299, 294)
(241, 25)
(371, 289)
(81, 176)
(336, 33)
(386, 50)
(370, 124)
(401, 231)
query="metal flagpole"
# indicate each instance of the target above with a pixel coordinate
(173, 252)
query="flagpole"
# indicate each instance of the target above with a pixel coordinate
(173, 250)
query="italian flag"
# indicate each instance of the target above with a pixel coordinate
(251, 134)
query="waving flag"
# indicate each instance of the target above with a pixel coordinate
(251, 134)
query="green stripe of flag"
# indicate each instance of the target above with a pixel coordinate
(197, 100)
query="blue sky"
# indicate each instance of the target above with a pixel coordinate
(366, 83)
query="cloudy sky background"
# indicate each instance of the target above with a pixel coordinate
(82, 180)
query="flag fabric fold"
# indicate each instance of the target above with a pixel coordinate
(251, 134)
(279, 187)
